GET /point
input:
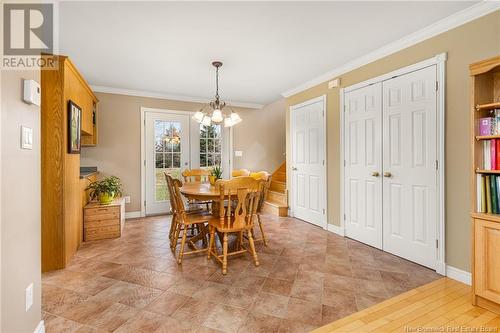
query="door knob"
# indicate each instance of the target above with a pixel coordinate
(387, 174)
(375, 174)
(294, 168)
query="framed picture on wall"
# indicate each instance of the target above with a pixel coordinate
(74, 126)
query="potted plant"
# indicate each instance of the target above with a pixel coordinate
(215, 174)
(105, 189)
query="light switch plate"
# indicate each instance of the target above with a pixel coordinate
(238, 153)
(26, 137)
(127, 198)
(29, 297)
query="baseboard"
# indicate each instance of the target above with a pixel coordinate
(336, 229)
(40, 328)
(132, 215)
(459, 275)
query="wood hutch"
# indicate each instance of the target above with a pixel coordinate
(485, 76)
(63, 194)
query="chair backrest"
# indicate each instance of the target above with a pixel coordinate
(242, 195)
(263, 194)
(170, 187)
(264, 175)
(240, 173)
(196, 175)
(177, 197)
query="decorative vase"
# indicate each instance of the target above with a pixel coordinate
(106, 198)
(212, 180)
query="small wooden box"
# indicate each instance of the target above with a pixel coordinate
(103, 221)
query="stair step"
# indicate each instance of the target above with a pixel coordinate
(277, 197)
(279, 176)
(275, 208)
(278, 186)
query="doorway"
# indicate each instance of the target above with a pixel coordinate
(308, 169)
(392, 151)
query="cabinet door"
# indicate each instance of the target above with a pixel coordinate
(87, 110)
(487, 260)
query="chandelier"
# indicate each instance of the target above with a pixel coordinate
(216, 116)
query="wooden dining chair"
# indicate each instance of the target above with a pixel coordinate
(240, 173)
(186, 220)
(266, 178)
(197, 175)
(175, 227)
(242, 195)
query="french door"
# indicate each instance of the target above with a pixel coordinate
(308, 162)
(390, 173)
(167, 149)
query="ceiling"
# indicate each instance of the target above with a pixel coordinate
(267, 48)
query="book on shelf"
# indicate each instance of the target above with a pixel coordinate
(491, 155)
(488, 194)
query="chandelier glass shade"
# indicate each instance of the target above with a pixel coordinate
(216, 114)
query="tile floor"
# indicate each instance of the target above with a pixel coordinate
(308, 277)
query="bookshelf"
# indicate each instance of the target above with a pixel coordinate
(485, 99)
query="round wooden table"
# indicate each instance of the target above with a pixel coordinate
(200, 191)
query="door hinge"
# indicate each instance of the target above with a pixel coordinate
(344, 162)
(323, 162)
(345, 107)
(437, 244)
(144, 162)
(344, 217)
(144, 203)
(323, 211)
(144, 122)
(437, 165)
(437, 85)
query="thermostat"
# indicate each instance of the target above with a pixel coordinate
(32, 92)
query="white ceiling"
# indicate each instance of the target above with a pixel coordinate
(267, 48)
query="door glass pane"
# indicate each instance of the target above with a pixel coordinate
(167, 140)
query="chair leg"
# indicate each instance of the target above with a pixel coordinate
(172, 229)
(175, 239)
(183, 243)
(252, 248)
(224, 255)
(262, 230)
(211, 241)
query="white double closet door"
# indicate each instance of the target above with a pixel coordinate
(390, 194)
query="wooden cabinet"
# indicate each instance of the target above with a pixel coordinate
(487, 259)
(62, 213)
(104, 221)
(485, 98)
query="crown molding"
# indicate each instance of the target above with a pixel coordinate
(448, 23)
(150, 94)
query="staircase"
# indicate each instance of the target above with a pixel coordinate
(276, 202)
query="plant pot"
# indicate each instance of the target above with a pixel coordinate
(212, 180)
(106, 198)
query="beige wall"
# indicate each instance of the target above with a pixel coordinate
(20, 207)
(261, 137)
(118, 150)
(466, 44)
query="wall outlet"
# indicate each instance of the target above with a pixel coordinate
(29, 297)
(238, 153)
(127, 198)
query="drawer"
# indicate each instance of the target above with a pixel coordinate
(102, 210)
(102, 216)
(102, 232)
(101, 223)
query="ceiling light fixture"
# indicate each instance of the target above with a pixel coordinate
(217, 116)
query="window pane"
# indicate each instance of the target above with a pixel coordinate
(203, 131)
(159, 160)
(210, 159)
(168, 160)
(217, 144)
(210, 145)
(176, 161)
(203, 145)
(203, 160)
(217, 159)
(176, 146)
(217, 131)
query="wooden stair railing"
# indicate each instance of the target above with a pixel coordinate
(277, 197)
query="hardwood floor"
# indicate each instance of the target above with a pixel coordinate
(440, 306)
(307, 278)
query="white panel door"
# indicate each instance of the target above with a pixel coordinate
(363, 164)
(409, 162)
(308, 180)
(166, 150)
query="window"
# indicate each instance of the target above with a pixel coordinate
(210, 145)
(168, 154)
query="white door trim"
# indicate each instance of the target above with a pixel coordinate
(325, 166)
(439, 61)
